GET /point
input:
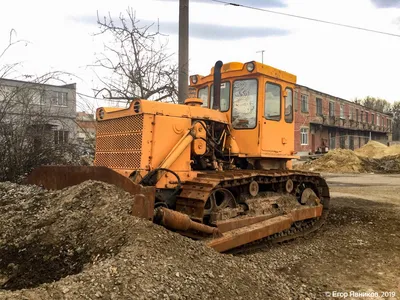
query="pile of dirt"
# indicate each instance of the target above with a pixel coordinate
(372, 149)
(83, 243)
(373, 157)
(385, 164)
(375, 149)
(336, 161)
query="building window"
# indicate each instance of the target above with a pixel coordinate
(342, 141)
(331, 109)
(372, 119)
(341, 111)
(351, 115)
(319, 106)
(60, 137)
(304, 103)
(244, 104)
(37, 98)
(332, 140)
(289, 106)
(272, 104)
(224, 95)
(304, 136)
(366, 117)
(59, 99)
(377, 120)
(357, 115)
(362, 116)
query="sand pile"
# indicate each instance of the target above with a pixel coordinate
(372, 150)
(377, 150)
(336, 161)
(82, 243)
(373, 157)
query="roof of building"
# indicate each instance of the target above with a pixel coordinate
(348, 101)
(16, 81)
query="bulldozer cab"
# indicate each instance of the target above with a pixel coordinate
(258, 101)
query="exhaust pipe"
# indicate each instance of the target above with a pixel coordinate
(217, 85)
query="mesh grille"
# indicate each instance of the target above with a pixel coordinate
(120, 125)
(119, 142)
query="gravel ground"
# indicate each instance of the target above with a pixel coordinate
(81, 243)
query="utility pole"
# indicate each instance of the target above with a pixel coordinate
(183, 50)
(262, 55)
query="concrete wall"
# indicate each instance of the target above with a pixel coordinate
(54, 105)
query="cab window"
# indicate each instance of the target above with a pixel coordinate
(203, 95)
(289, 105)
(244, 104)
(272, 105)
(225, 95)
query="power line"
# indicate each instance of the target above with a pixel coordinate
(305, 18)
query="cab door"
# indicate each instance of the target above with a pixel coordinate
(277, 126)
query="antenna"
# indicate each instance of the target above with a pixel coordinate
(262, 55)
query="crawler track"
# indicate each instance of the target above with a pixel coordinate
(195, 193)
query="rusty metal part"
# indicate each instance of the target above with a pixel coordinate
(253, 188)
(298, 229)
(304, 213)
(227, 225)
(289, 186)
(250, 233)
(195, 193)
(181, 222)
(309, 197)
(219, 199)
(59, 177)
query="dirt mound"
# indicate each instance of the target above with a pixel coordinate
(384, 164)
(373, 157)
(59, 232)
(336, 161)
(372, 149)
(377, 150)
(82, 243)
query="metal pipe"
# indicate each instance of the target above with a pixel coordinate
(183, 50)
(177, 150)
(217, 85)
(178, 221)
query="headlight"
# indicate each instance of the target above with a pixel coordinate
(194, 79)
(101, 113)
(136, 107)
(250, 67)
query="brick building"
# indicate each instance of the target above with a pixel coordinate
(86, 130)
(325, 122)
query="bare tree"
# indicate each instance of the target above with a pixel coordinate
(137, 61)
(27, 120)
(378, 104)
(7, 69)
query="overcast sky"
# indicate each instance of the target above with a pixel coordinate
(343, 62)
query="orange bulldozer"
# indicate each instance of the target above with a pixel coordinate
(217, 168)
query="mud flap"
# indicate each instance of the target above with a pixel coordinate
(59, 177)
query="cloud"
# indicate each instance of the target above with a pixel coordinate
(202, 30)
(386, 3)
(255, 3)
(223, 32)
